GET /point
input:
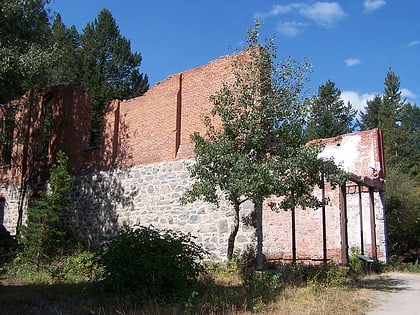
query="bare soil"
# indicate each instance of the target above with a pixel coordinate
(399, 293)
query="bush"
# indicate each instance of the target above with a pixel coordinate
(82, 267)
(356, 265)
(163, 265)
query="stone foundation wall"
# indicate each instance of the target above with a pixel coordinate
(149, 195)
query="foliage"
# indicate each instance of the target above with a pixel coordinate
(370, 118)
(164, 265)
(35, 53)
(27, 290)
(254, 145)
(8, 246)
(400, 123)
(328, 116)
(356, 265)
(403, 213)
(396, 265)
(109, 70)
(409, 147)
(83, 266)
(68, 45)
(42, 237)
(25, 56)
(385, 113)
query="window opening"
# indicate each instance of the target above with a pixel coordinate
(7, 128)
(47, 124)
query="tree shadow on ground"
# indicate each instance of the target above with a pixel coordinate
(46, 299)
(383, 283)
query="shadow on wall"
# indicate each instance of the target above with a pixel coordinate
(102, 202)
(98, 199)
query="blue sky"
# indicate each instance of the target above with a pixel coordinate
(350, 42)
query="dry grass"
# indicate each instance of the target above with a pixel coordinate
(60, 298)
(325, 301)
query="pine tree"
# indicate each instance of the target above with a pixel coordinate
(42, 236)
(370, 118)
(328, 116)
(67, 40)
(410, 146)
(109, 69)
(400, 124)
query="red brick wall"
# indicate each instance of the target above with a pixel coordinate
(156, 127)
(360, 154)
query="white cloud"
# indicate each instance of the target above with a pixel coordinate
(373, 5)
(324, 14)
(413, 43)
(290, 29)
(408, 94)
(358, 101)
(283, 9)
(276, 10)
(352, 62)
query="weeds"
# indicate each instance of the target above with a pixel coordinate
(226, 289)
(70, 285)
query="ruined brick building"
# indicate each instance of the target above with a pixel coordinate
(138, 173)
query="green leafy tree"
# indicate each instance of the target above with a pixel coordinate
(328, 116)
(254, 145)
(25, 56)
(403, 213)
(109, 69)
(42, 237)
(26, 60)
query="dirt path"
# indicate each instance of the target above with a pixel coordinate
(399, 294)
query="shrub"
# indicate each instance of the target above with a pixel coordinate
(162, 265)
(82, 267)
(356, 265)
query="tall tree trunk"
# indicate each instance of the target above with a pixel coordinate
(259, 233)
(25, 160)
(232, 236)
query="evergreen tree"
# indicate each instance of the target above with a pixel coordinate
(390, 118)
(67, 41)
(42, 236)
(370, 118)
(328, 116)
(400, 124)
(385, 113)
(410, 146)
(109, 69)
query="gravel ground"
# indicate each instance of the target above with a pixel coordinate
(399, 294)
